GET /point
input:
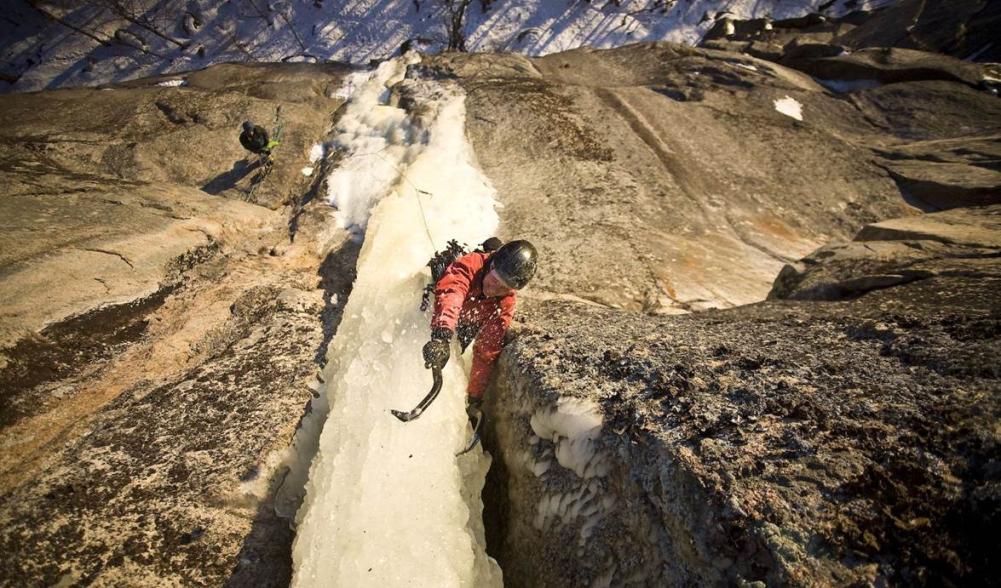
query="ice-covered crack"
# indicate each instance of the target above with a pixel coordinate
(573, 426)
(387, 503)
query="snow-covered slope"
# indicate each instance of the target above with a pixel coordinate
(37, 53)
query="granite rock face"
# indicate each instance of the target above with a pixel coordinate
(962, 29)
(161, 330)
(788, 442)
(840, 432)
(664, 179)
(961, 242)
(965, 29)
(167, 302)
(661, 178)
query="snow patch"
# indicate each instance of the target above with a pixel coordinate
(307, 171)
(789, 107)
(317, 152)
(173, 83)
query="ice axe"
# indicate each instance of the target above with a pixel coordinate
(423, 404)
(476, 420)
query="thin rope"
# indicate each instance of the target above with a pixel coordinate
(403, 176)
(420, 205)
(417, 194)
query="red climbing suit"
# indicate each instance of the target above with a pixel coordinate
(459, 303)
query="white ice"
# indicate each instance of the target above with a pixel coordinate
(386, 502)
(573, 426)
(378, 139)
(173, 83)
(789, 107)
(317, 152)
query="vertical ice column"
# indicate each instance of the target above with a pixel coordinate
(384, 503)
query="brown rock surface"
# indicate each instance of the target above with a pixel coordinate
(661, 178)
(946, 185)
(160, 333)
(960, 242)
(962, 29)
(884, 64)
(966, 29)
(148, 406)
(720, 457)
(792, 443)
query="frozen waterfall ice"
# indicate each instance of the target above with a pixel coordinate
(388, 503)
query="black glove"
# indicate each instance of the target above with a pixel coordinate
(474, 407)
(436, 351)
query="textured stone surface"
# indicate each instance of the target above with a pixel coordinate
(885, 64)
(961, 242)
(661, 178)
(161, 335)
(962, 29)
(966, 29)
(795, 443)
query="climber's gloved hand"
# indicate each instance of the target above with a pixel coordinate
(436, 351)
(474, 407)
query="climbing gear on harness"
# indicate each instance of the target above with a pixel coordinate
(438, 264)
(444, 258)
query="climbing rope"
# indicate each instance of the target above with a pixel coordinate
(417, 191)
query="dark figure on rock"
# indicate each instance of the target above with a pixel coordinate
(254, 138)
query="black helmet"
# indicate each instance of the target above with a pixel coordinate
(248, 126)
(515, 263)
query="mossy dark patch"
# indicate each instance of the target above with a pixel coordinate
(63, 349)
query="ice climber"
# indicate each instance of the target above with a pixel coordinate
(474, 299)
(255, 139)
